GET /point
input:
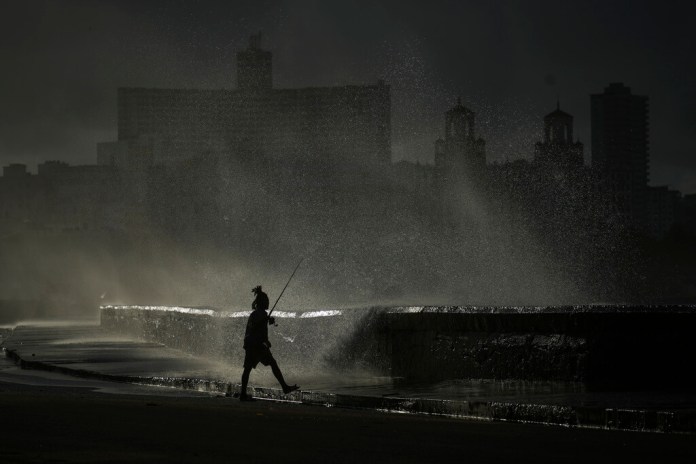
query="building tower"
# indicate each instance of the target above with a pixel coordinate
(254, 66)
(460, 152)
(620, 148)
(558, 152)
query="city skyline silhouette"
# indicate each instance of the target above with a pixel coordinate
(427, 57)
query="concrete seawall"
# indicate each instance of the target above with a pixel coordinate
(89, 352)
(604, 346)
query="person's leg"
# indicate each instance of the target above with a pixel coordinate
(245, 381)
(279, 375)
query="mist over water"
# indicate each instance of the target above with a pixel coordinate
(209, 229)
(216, 231)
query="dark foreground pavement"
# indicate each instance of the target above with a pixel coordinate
(86, 351)
(58, 424)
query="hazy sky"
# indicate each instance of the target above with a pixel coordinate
(62, 62)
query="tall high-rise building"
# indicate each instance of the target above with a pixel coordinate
(620, 148)
(558, 151)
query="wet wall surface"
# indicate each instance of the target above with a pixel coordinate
(602, 347)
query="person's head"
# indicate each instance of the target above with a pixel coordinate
(256, 290)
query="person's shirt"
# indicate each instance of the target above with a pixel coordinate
(256, 329)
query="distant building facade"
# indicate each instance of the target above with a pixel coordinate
(15, 170)
(662, 210)
(347, 126)
(63, 197)
(620, 148)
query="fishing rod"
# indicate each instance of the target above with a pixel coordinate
(286, 286)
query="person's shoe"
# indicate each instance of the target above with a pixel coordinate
(245, 397)
(290, 388)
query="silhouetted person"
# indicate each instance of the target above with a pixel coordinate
(257, 345)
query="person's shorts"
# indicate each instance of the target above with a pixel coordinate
(257, 355)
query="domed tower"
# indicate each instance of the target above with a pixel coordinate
(558, 151)
(459, 122)
(460, 152)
